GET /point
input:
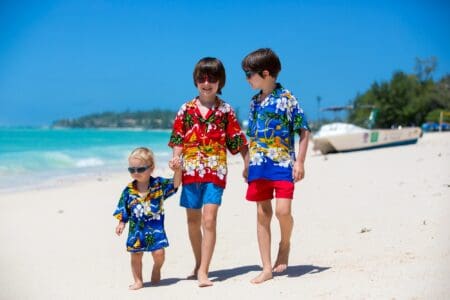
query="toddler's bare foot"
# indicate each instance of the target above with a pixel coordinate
(136, 286)
(203, 280)
(281, 263)
(263, 276)
(156, 275)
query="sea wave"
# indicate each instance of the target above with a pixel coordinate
(36, 154)
(47, 160)
(89, 162)
(34, 161)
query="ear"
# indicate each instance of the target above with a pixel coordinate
(265, 73)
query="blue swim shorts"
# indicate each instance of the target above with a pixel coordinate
(195, 195)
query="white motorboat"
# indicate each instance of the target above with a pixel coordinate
(342, 137)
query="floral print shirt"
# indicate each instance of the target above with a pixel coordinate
(205, 141)
(145, 215)
(272, 125)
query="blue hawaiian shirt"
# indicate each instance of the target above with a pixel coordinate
(272, 125)
(145, 214)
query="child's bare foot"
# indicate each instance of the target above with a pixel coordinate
(156, 275)
(203, 280)
(263, 276)
(136, 286)
(281, 263)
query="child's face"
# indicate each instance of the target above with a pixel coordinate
(139, 170)
(255, 80)
(207, 86)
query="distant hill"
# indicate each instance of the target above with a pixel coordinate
(152, 119)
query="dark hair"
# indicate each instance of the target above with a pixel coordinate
(212, 67)
(262, 59)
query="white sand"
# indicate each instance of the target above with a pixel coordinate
(368, 225)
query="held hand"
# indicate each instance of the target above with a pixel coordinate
(298, 173)
(175, 163)
(120, 228)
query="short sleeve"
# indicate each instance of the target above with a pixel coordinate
(178, 130)
(168, 187)
(251, 119)
(235, 138)
(298, 116)
(121, 213)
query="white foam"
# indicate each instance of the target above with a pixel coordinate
(89, 162)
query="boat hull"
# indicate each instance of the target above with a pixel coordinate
(369, 139)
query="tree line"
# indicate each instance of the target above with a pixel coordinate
(407, 99)
(152, 119)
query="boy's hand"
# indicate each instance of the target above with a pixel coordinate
(120, 228)
(175, 163)
(298, 173)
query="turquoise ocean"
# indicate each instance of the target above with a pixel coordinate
(38, 156)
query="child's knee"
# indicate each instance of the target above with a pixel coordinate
(283, 214)
(265, 212)
(159, 255)
(209, 223)
(194, 222)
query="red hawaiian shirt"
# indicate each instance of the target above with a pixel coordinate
(205, 141)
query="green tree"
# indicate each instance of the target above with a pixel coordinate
(407, 99)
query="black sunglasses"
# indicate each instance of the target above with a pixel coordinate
(138, 169)
(204, 78)
(249, 74)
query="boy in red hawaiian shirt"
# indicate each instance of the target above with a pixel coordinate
(204, 128)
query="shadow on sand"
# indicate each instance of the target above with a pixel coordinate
(221, 275)
(291, 271)
(163, 282)
(300, 270)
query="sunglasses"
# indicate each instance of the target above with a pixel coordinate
(204, 78)
(249, 74)
(138, 169)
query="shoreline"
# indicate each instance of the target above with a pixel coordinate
(70, 178)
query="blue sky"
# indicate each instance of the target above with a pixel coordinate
(65, 59)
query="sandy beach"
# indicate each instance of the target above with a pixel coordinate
(368, 225)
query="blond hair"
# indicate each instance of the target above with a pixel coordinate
(144, 154)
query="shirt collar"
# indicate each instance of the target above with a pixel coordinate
(193, 103)
(132, 186)
(275, 93)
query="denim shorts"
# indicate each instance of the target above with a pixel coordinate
(195, 195)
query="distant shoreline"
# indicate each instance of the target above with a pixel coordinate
(86, 128)
(152, 119)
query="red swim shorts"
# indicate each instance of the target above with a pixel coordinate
(263, 189)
